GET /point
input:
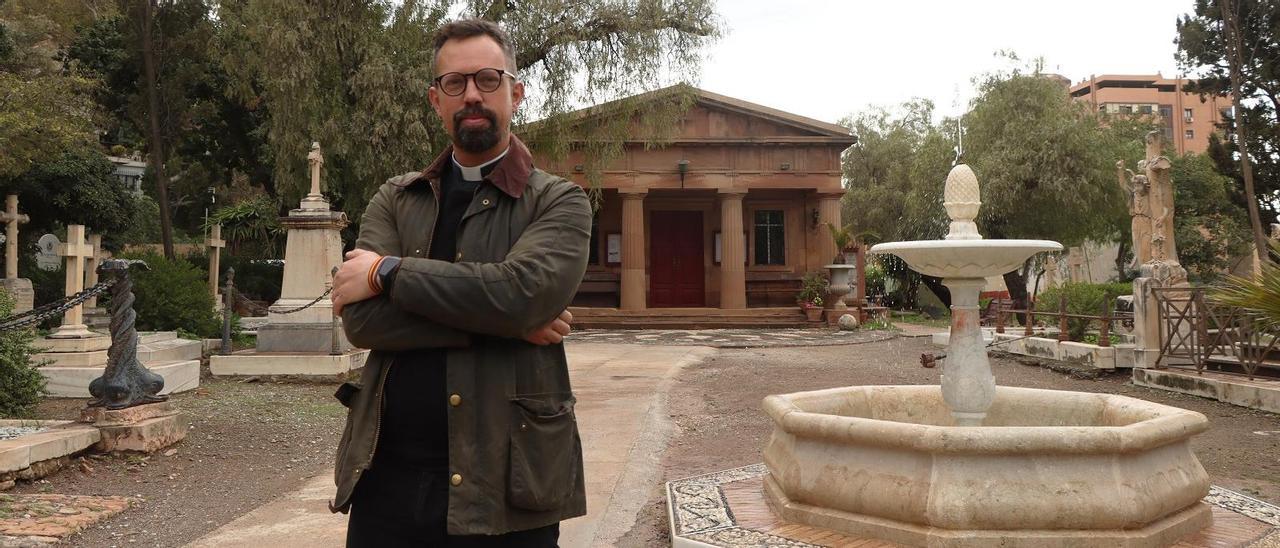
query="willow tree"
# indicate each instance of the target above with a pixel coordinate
(354, 75)
(1046, 165)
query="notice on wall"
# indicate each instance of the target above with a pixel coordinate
(613, 249)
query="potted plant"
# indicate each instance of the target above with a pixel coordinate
(812, 288)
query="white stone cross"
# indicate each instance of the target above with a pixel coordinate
(215, 245)
(75, 251)
(11, 218)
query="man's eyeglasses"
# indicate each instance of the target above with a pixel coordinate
(487, 80)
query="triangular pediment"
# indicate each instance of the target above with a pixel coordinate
(719, 118)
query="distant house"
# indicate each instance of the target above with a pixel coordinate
(129, 171)
(658, 238)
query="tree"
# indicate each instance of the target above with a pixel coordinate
(1249, 52)
(78, 186)
(359, 72)
(1210, 228)
(1045, 163)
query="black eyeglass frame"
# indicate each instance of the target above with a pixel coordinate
(472, 77)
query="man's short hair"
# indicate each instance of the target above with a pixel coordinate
(468, 28)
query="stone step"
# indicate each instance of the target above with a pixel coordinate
(73, 382)
(168, 350)
(148, 337)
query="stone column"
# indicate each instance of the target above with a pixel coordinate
(733, 274)
(828, 212)
(91, 267)
(11, 217)
(18, 288)
(215, 245)
(75, 251)
(633, 259)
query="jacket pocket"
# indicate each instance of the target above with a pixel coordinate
(347, 392)
(543, 469)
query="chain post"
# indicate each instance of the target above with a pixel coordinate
(335, 347)
(1063, 330)
(1030, 319)
(228, 303)
(999, 316)
(1104, 335)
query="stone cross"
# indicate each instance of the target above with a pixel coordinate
(315, 159)
(91, 267)
(215, 245)
(11, 218)
(75, 251)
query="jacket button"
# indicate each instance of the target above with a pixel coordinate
(459, 258)
(456, 480)
(455, 400)
(417, 252)
(484, 202)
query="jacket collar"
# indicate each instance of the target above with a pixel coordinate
(511, 174)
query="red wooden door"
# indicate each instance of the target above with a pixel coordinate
(676, 259)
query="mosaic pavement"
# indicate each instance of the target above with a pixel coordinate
(702, 509)
(733, 338)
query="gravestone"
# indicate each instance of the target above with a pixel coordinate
(95, 316)
(18, 288)
(215, 243)
(47, 257)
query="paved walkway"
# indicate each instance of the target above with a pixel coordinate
(621, 406)
(733, 338)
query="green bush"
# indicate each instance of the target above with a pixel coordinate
(21, 384)
(1082, 298)
(257, 279)
(173, 296)
(48, 285)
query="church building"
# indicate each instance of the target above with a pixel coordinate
(728, 215)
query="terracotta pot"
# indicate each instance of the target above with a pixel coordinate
(813, 314)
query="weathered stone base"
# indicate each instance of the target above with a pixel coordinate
(300, 337)
(33, 456)
(1077, 353)
(143, 428)
(24, 296)
(1162, 533)
(250, 362)
(1258, 393)
(73, 382)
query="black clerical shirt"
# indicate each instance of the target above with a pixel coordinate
(415, 419)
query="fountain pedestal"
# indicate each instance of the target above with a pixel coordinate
(967, 383)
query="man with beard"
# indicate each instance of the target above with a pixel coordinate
(461, 431)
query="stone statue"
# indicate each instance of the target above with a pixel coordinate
(1137, 194)
(315, 159)
(125, 382)
(1161, 201)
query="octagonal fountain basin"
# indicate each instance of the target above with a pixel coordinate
(966, 258)
(1046, 468)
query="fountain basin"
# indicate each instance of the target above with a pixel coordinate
(1047, 468)
(974, 258)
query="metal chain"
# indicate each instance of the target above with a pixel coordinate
(35, 316)
(257, 308)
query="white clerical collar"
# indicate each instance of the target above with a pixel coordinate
(476, 173)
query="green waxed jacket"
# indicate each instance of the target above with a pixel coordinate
(515, 456)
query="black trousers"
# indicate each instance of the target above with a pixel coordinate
(404, 506)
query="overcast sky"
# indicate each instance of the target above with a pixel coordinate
(827, 59)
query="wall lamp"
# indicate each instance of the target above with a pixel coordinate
(813, 218)
(683, 167)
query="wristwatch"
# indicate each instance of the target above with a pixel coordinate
(386, 272)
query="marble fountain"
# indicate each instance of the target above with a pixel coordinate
(967, 463)
(973, 464)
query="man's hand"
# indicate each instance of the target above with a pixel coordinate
(554, 332)
(351, 283)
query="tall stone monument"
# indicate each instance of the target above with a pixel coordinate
(310, 341)
(1162, 268)
(18, 288)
